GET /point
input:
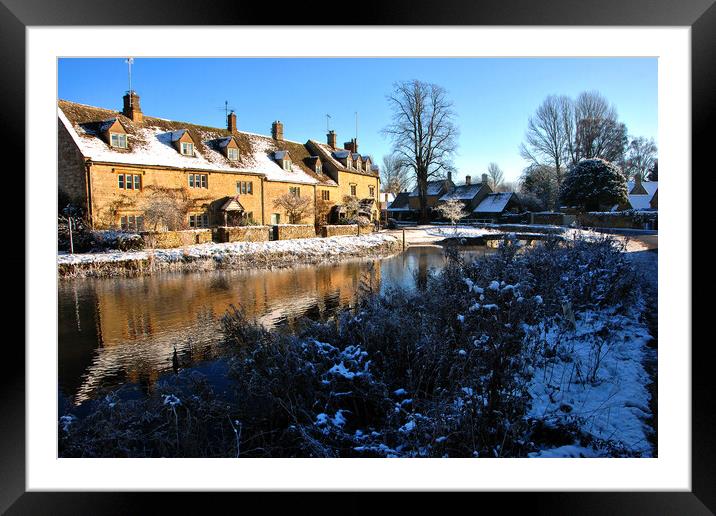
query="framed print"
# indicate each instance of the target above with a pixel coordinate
(462, 294)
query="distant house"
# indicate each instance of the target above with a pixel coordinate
(643, 195)
(470, 194)
(384, 200)
(494, 205)
(400, 209)
(435, 190)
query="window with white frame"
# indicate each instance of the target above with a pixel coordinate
(199, 220)
(287, 165)
(118, 140)
(354, 188)
(129, 181)
(187, 148)
(245, 187)
(319, 167)
(198, 181)
(232, 153)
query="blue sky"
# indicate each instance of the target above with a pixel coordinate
(493, 97)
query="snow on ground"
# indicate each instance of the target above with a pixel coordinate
(306, 247)
(612, 403)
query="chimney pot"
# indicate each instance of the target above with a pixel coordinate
(277, 130)
(332, 138)
(449, 176)
(131, 108)
(484, 178)
(231, 122)
(468, 180)
(351, 145)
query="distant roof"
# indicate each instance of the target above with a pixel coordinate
(434, 188)
(494, 203)
(400, 203)
(462, 192)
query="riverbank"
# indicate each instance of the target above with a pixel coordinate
(235, 255)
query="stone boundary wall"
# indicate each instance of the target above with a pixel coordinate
(242, 234)
(620, 219)
(292, 231)
(332, 230)
(171, 239)
(547, 219)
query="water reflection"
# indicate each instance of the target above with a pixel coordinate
(118, 330)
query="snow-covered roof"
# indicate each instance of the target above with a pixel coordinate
(104, 126)
(494, 203)
(225, 141)
(233, 204)
(434, 188)
(640, 201)
(151, 144)
(462, 192)
(650, 186)
(356, 156)
(401, 202)
(279, 155)
(333, 156)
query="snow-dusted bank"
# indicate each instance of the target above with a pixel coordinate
(236, 255)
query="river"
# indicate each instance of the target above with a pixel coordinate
(118, 331)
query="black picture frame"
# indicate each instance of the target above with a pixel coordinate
(16, 15)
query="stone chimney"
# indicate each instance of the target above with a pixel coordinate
(332, 138)
(132, 109)
(351, 145)
(449, 176)
(637, 180)
(484, 178)
(231, 123)
(468, 180)
(277, 130)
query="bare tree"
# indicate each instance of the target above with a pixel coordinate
(295, 206)
(547, 141)
(640, 158)
(596, 131)
(423, 132)
(497, 177)
(394, 176)
(540, 182)
(166, 208)
(453, 210)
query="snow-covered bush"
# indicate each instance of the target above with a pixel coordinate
(462, 367)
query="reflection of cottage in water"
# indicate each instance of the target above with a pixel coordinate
(128, 327)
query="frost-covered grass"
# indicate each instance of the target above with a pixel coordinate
(224, 255)
(520, 354)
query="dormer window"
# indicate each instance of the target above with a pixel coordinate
(118, 140)
(349, 162)
(319, 167)
(187, 149)
(232, 153)
(287, 165)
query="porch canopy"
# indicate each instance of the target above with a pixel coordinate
(231, 206)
